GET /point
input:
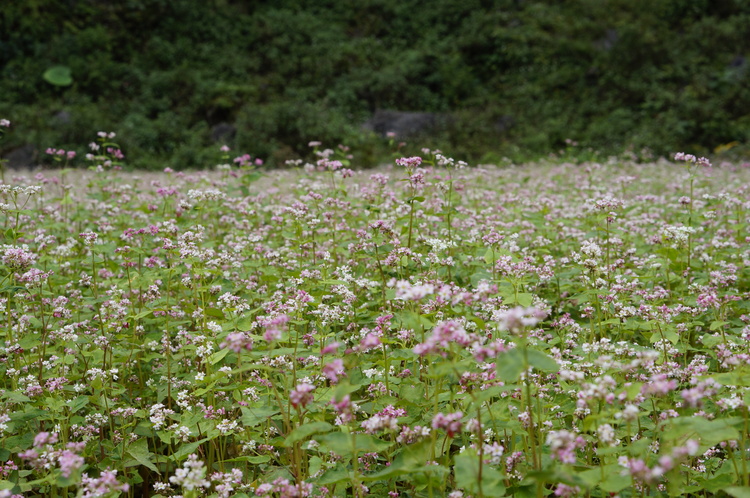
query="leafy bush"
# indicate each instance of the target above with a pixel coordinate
(611, 74)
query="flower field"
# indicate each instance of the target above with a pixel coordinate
(423, 329)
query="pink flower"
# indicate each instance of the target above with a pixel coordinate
(409, 162)
(237, 341)
(333, 370)
(301, 395)
(564, 445)
(451, 423)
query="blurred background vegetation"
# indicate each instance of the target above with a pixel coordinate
(506, 78)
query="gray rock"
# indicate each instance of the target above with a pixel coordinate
(62, 117)
(405, 124)
(223, 132)
(22, 157)
(504, 123)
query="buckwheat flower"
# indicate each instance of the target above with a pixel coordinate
(227, 426)
(4, 123)
(18, 258)
(681, 156)
(192, 475)
(4, 419)
(628, 414)
(333, 370)
(409, 162)
(411, 292)
(44, 438)
(565, 491)
(344, 409)
(384, 420)
(237, 342)
(89, 237)
(677, 235)
(105, 484)
(181, 432)
(443, 335)
(69, 462)
(659, 385)
(517, 319)
(274, 325)
(564, 444)
(606, 435)
(301, 395)
(159, 414)
(451, 422)
(494, 452)
(35, 276)
(330, 348)
(368, 342)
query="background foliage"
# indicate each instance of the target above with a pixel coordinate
(518, 77)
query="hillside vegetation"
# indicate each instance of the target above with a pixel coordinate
(516, 77)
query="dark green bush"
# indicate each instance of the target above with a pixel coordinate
(518, 77)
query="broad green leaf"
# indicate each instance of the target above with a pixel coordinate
(413, 393)
(245, 323)
(709, 432)
(410, 459)
(252, 416)
(305, 431)
(139, 451)
(716, 325)
(541, 361)
(343, 444)
(489, 256)
(217, 356)
(614, 481)
(335, 475)
(467, 475)
(58, 76)
(738, 491)
(719, 482)
(15, 397)
(187, 448)
(510, 365)
(524, 299)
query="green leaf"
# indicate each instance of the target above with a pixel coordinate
(719, 482)
(510, 365)
(738, 491)
(139, 451)
(541, 361)
(489, 256)
(306, 430)
(524, 299)
(614, 481)
(254, 416)
(409, 460)
(710, 432)
(342, 444)
(716, 325)
(187, 449)
(335, 475)
(217, 356)
(245, 323)
(467, 475)
(58, 76)
(15, 397)
(414, 393)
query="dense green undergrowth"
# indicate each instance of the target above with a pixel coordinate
(517, 77)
